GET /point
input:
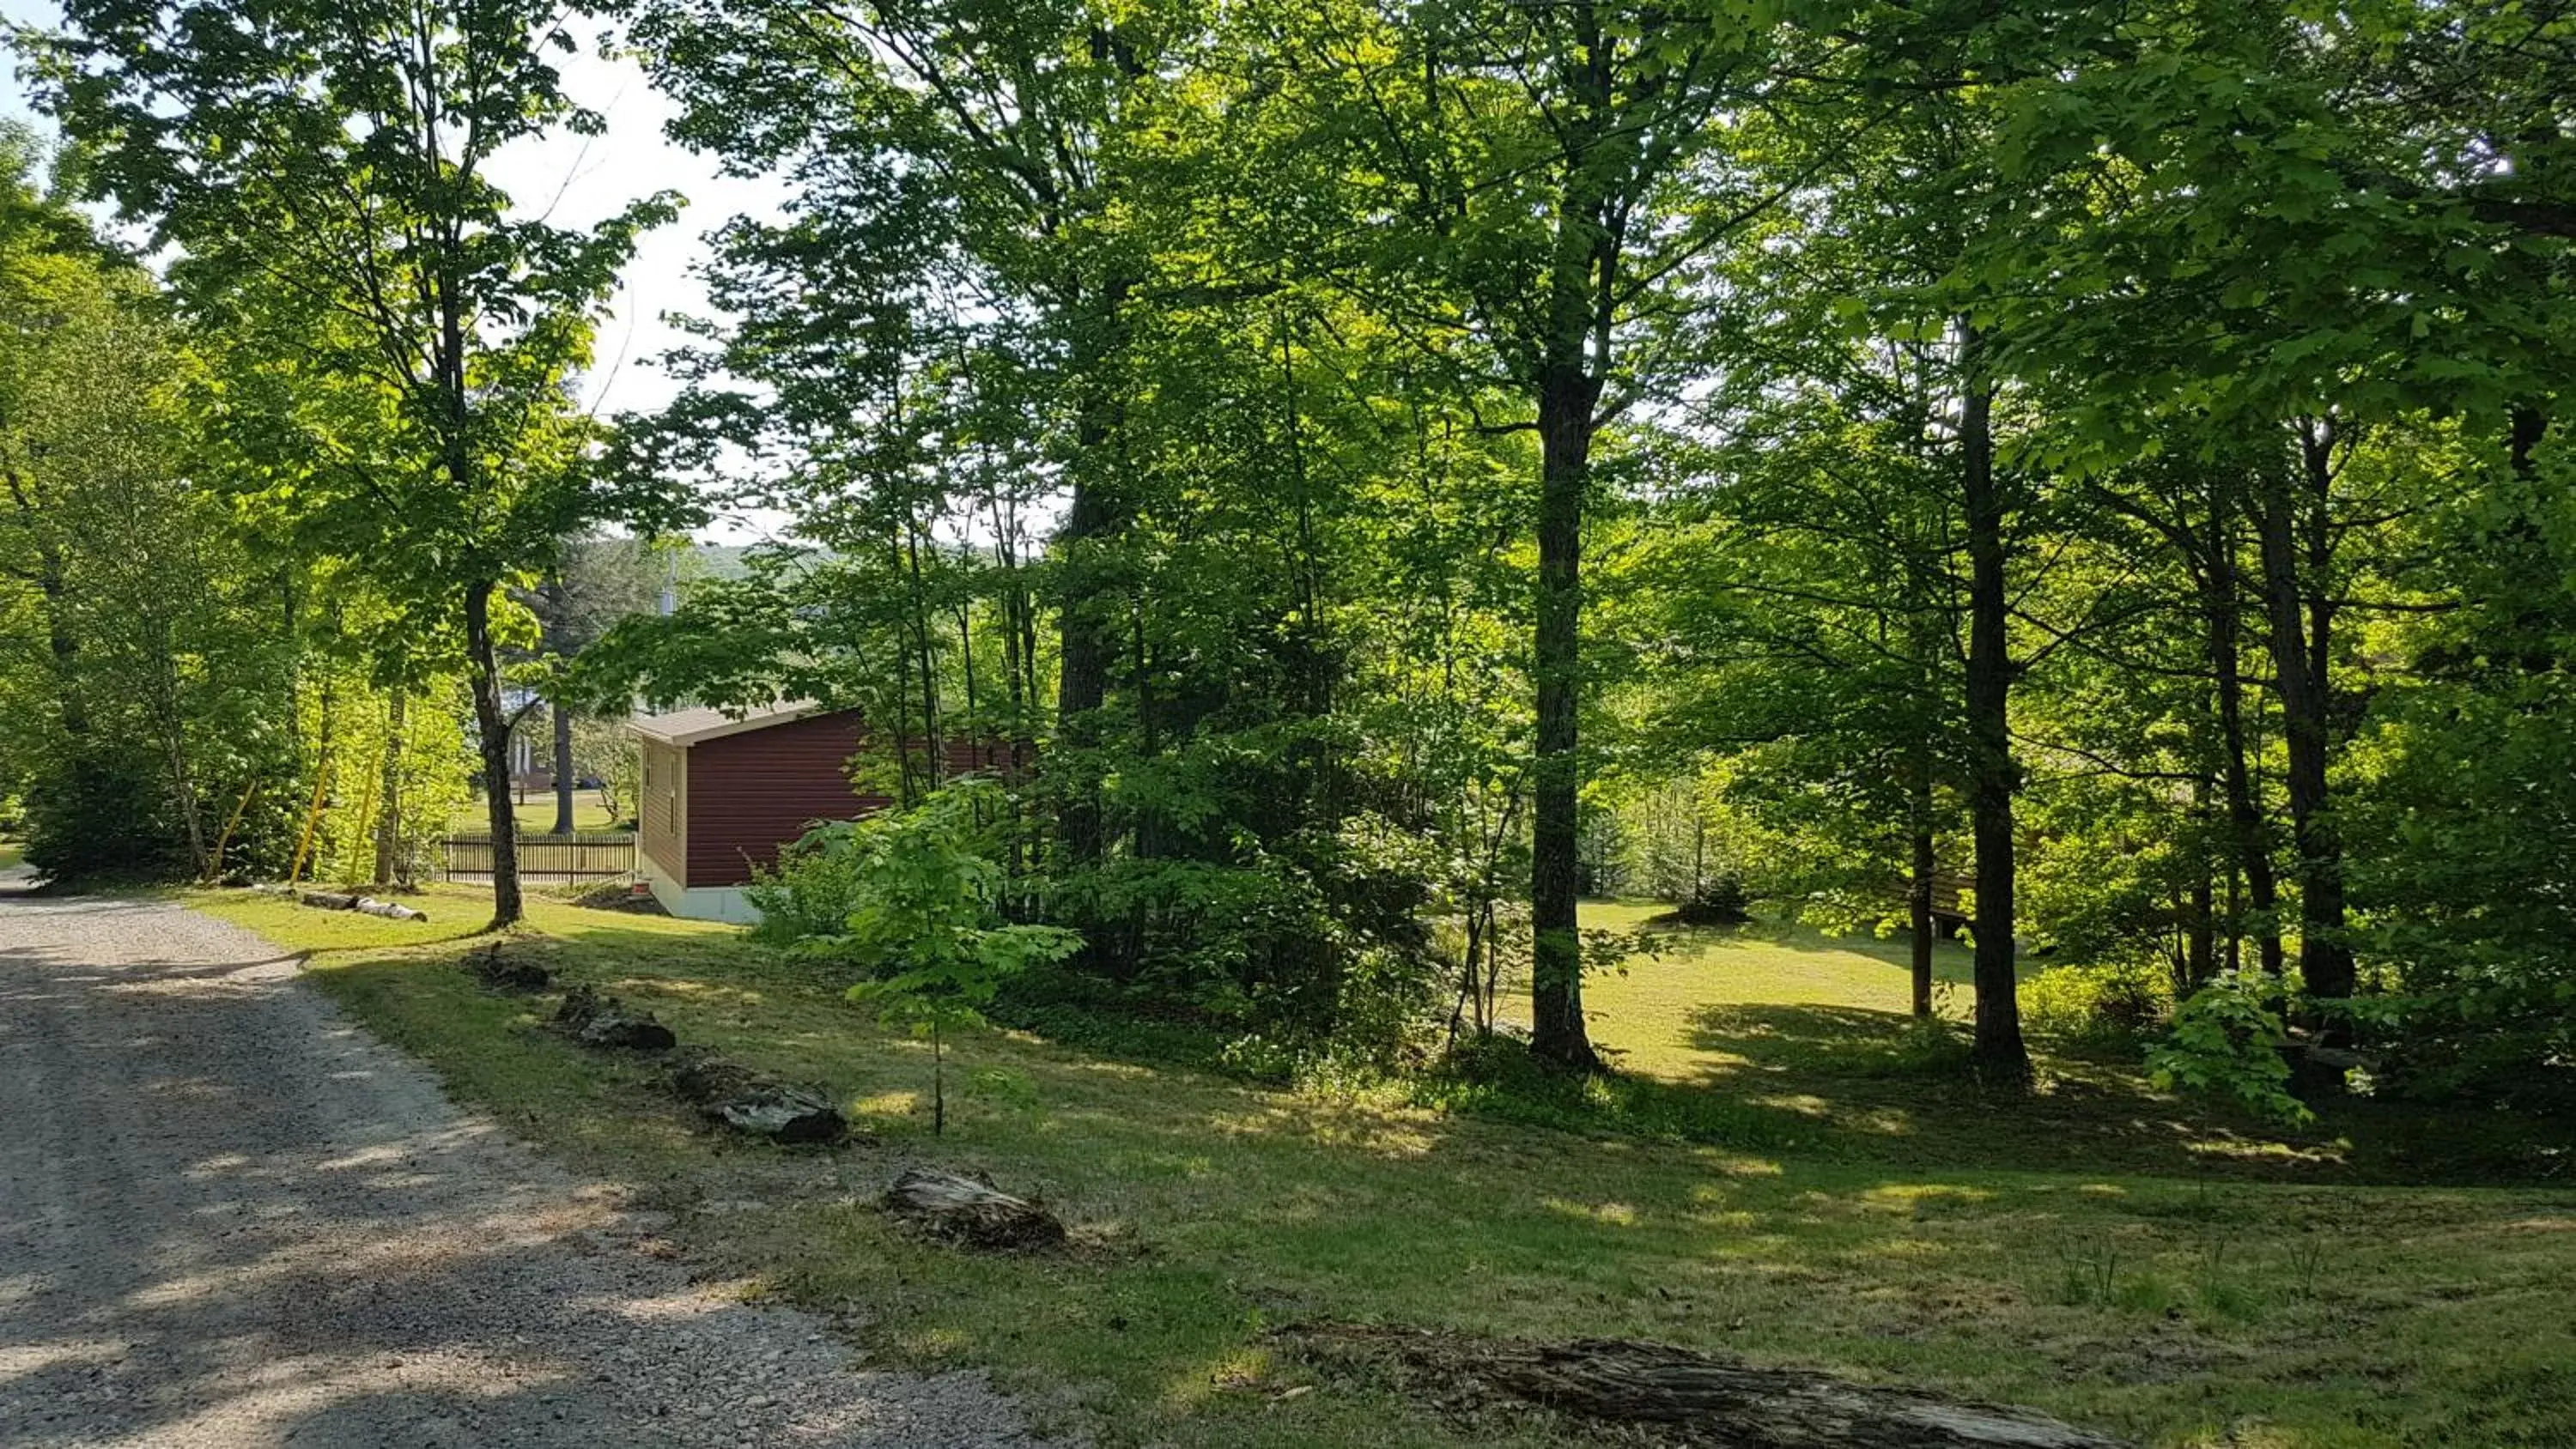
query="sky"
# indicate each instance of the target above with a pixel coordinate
(580, 181)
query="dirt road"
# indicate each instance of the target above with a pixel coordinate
(230, 1218)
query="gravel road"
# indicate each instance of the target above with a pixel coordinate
(228, 1217)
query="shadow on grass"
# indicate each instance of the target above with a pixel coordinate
(1836, 1082)
(1843, 1197)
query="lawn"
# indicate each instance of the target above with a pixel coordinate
(11, 854)
(1672, 1013)
(2174, 1275)
(537, 815)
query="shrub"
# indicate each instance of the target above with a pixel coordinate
(2114, 1004)
(100, 812)
(2227, 1039)
(814, 889)
(1716, 900)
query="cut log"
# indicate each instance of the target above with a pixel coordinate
(734, 1096)
(500, 972)
(1676, 1396)
(328, 900)
(971, 1212)
(368, 906)
(604, 1021)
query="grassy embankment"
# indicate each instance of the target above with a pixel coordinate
(2132, 1263)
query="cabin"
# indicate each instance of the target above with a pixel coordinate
(722, 792)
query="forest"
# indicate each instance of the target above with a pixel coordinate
(2088, 473)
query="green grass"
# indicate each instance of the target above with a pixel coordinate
(2257, 1295)
(537, 816)
(11, 854)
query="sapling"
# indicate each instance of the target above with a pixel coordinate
(927, 926)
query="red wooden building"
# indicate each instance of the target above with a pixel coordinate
(722, 793)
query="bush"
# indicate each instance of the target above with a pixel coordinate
(2109, 1004)
(815, 888)
(2227, 1040)
(1716, 900)
(100, 813)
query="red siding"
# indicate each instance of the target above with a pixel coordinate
(750, 793)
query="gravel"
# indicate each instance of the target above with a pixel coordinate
(228, 1217)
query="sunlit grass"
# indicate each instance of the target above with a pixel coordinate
(2180, 1309)
(536, 814)
(1672, 1013)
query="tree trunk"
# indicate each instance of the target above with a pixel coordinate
(2199, 907)
(2300, 640)
(933, 730)
(1580, 300)
(1919, 897)
(2525, 427)
(1558, 1034)
(492, 728)
(174, 739)
(61, 644)
(2249, 843)
(389, 789)
(323, 762)
(1086, 647)
(1993, 775)
(563, 768)
(2200, 943)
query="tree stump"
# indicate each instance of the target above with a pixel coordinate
(970, 1212)
(498, 972)
(603, 1021)
(733, 1096)
(1675, 1396)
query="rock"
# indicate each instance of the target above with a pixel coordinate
(603, 1021)
(734, 1096)
(971, 1212)
(1664, 1394)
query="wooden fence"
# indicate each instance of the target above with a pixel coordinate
(587, 855)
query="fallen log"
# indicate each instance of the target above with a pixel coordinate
(604, 1021)
(329, 900)
(970, 1212)
(734, 1096)
(1677, 1396)
(366, 905)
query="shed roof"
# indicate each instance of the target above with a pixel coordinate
(687, 727)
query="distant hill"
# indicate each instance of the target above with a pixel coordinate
(723, 560)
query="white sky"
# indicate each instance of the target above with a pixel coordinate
(585, 181)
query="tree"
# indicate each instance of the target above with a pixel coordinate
(1558, 169)
(926, 921)
(943, 153)
(400, 340)
(140, 670)
(597, 580)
